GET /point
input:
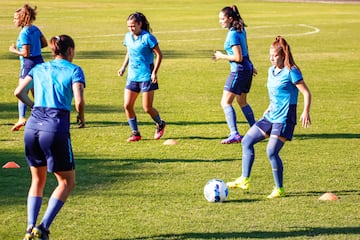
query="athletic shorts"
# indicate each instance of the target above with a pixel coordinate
(48, 149)
(28, 64)
(142, 86)
(285, 130)
(240, 81)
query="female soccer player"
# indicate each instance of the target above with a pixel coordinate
(28, 46)
(239, 81)
(47, 131)
(284, 82)
(142, 73)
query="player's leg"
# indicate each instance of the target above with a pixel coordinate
(60, 160)
(35, 197)
(147, 102)
(254, 135)
(246, 108)
(274, 146)
(38, 169)
(280, 133)
(230, 116)
(244, 85)
(66, 183)
(22, 115)
(25, 69)
(130, 97)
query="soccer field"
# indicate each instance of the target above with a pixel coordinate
(148, 190)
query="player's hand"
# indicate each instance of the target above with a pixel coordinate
(121, 72)
(217, 55)
(80, 122)
(255, 72)
(153, 78)
(12, 48)
(305, 120)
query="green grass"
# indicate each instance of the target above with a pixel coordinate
(146, 190)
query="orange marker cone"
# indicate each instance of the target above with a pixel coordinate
(170, 142)
(11, 165)
(328, 197)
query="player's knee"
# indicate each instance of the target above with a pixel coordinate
(147, 109)
(272, 153)
(247, 142)
(67, 184)
(70, 186)
(127, 106)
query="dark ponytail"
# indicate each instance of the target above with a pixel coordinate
(139, 17)
(238, 23)
(60, 45)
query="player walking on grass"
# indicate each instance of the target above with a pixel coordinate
(239, 81)
(284, 82)
(28, 47)
(142, 73)
(47, 132)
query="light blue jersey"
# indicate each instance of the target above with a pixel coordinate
(29, 35)
(282, 93)
(141, 56)
(53, 82)
(234, 38)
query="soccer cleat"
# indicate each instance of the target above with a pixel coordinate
(135, 136)
(160, 129)
(233, 138)
(28, 235)
(19, 124)
(40, 233)
(241, 182)
(277, 193)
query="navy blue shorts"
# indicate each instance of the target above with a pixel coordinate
(28, 64)
(240, 81)
(285, 130)
(142, 86)
(48, 149)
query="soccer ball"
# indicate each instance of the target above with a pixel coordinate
(216, 190)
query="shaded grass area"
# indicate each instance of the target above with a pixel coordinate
(147, 190)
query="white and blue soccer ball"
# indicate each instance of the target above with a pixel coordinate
(216, 190)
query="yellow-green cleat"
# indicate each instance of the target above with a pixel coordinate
(241, 182)
(40, 233)
(277, 193)
(28, 235)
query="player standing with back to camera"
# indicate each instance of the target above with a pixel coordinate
(142, 73)
(28, 47)
(285, 80)
(47, 131)
(239, 81)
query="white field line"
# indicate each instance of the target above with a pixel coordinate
(309, 30)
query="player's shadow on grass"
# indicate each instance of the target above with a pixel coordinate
(326, 136)
(339, 193)
(306, 232)
(174, 54)
(103, 172)
(148, 122)
(114, 54)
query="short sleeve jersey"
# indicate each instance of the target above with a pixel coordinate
(234, 38)
(141, 56)
(282, 92)
(29, 35)
(53, 82)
